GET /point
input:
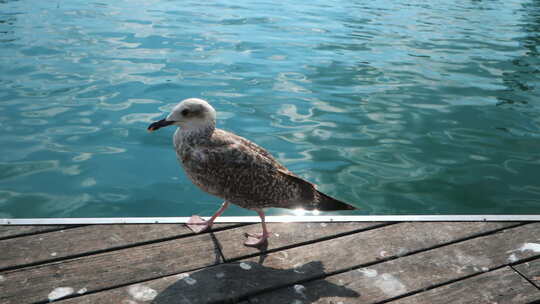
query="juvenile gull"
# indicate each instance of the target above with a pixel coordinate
(236, 169)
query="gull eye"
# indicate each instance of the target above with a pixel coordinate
(185, 112)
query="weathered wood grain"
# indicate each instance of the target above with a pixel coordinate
(10, 231)
(416, 272)
(227, 282)
(373, 245)
(233, 249)
(285, 234)
(530, 270)
(55, 245)
(106, 270)
(499, 286)
(223, 283)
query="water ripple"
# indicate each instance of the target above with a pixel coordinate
(19, 169)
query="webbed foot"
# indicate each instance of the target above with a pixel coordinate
(197, 224)
(255, 239)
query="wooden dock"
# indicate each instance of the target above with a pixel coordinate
(366, 262)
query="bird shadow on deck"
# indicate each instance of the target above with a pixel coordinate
(238, 281)
(233, 282)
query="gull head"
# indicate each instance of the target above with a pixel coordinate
(191, 113)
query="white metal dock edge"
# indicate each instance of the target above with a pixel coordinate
(269, 219)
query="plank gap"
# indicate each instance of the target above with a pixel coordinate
(455, 291)
(37, 232)
(414, 292)
(218, 246)
(523, 275)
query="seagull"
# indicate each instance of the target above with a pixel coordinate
(235, 169)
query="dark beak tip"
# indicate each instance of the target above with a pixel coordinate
(152, 127)
(159, 124)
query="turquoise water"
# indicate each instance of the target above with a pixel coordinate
(399, 107)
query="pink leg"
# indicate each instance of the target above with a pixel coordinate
(254, 240)
(197, 224)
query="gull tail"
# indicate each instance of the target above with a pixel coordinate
(311, 198)
(328, 203)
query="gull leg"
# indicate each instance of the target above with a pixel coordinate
(197, 224)
(257, 239)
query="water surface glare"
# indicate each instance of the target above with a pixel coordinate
(399, 107)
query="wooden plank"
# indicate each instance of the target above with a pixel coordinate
(34, 249)
(499, 286)
(110, 269)
(227, 282)
(377, 244)
(416, 272)
(285, 234)
(530, 270)
(10, 231)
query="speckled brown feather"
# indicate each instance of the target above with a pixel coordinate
(241, 172)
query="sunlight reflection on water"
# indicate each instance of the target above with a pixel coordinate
(398, 107)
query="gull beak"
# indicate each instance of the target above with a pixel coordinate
(159, 124)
